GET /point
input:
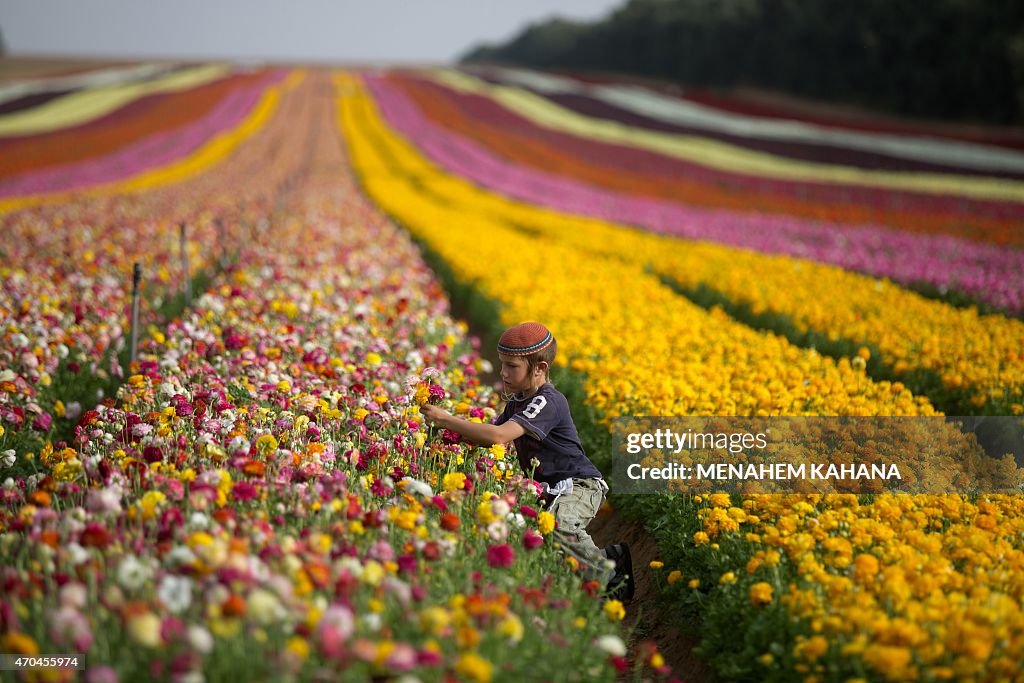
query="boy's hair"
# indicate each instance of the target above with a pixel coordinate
(531, 341)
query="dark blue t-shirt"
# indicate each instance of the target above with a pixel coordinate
(550, 436)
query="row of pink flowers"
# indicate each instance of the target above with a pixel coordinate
(984, 271)
(151, 152)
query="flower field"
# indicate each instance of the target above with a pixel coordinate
(821, 587)
(255, 497)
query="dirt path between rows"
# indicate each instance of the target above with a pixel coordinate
(651, 620)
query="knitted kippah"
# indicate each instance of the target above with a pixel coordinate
(524, 339)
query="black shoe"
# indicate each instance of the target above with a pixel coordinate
(622, 584)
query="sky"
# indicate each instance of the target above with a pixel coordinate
(377, 31)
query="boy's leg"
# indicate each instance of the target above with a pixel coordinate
(573, 512)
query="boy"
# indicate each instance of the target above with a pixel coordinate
(537, 419)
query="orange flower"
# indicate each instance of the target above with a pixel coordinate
(255, 468)
(40, 498)
(450, 521)
(234, 606)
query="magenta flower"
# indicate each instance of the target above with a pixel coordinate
(437, 394)
(500, 555)
(532, 540)
(42, 423)
(244, 491)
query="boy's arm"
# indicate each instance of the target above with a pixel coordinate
(480, 433)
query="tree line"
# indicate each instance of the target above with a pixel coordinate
(939, 59)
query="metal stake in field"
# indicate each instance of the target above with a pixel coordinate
(222, 241)
(185, 275)
(136, 277)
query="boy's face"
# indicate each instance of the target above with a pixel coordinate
(515, 373)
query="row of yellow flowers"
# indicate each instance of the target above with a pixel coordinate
(646, 350)
(848, 573)
(967, 350)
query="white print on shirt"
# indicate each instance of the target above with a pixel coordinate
(536, 405)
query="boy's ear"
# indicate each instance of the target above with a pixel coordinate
(542, 365)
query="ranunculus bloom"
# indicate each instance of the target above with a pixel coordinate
(500, 555)
(532, 540)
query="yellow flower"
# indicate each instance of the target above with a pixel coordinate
(144, 629)
(674, 577)
(373, 359)
(614, 610)
(656, 564)
(720, 500)
(761, 593)
(511, 628)
(472, 667)
(453, 481)
(701, 538)
(545, 522)
(266, 444)
(298, 647)
(18, 644)
(727, 579)
(434, 620)
(694, 583)
(150, 502)
(811, 648)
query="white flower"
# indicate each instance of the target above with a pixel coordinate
(10, 484)
(419, 488)
(8, 458)
(104, 500)
(371, 622)
(180, 555)
(142, 429)
(74, 595)
(264, 607)
(200, 639)
(132, 574)
(239, 443)
(500, 507)
(516, 520)
(611, 645)
(497, 530)
(175, 592)
(77, 553)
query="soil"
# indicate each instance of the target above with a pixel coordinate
(645, 614)
(19, 68)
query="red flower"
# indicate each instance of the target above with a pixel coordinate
(500, 555)
(450, 521)
(152, 454)
(244, 491)
(621, 664)
(532, 540)
(95, 536)
(527, 511)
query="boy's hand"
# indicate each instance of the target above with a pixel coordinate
(436, 417)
